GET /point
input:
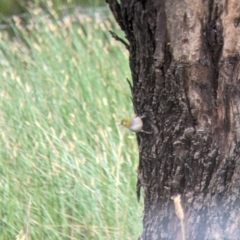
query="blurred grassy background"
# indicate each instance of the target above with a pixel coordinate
(10, 7)
(67, 171)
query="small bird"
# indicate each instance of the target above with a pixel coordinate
(134, 124)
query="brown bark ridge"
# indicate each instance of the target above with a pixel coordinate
(185, 64)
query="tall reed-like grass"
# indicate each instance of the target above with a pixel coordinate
(67, 171)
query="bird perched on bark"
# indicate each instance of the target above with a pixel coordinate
(134, 124)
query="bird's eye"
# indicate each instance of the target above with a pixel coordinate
(123, 123)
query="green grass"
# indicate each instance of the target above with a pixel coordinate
(67, 171)
(10, 7)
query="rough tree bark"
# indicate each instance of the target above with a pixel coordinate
(185, 64)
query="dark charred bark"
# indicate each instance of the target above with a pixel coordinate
(185, 64)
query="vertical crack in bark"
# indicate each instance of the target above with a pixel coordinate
(186, 86)
(226, 100)
(214, 42)
(167, 53)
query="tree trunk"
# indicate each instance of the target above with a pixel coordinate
(185, 64)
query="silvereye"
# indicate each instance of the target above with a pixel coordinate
(134, 124)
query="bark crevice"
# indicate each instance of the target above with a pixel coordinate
(213, 33)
